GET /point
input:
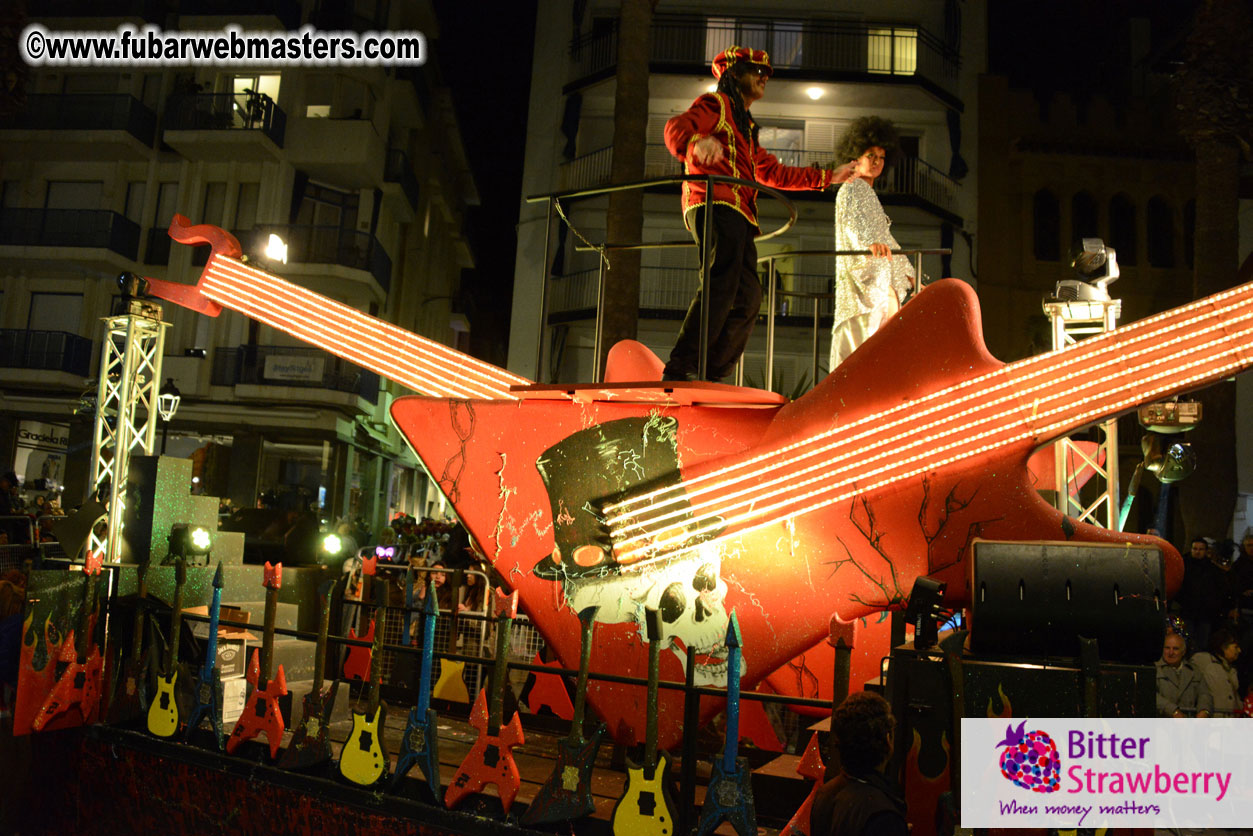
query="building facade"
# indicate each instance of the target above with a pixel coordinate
(915, 63)
(359, 170)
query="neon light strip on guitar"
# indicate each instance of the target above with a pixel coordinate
(421, 364)
(963, 445)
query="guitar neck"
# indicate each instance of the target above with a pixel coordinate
(731, 748)
(137, 632)
(376, 656)
(428, 655)
(215, 609)
(580, 687)
(650, 728)
(421, 364)
(319, 653)
(267, 636)
(176, 626)
(500, 673)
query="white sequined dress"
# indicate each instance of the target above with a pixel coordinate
(863, 283)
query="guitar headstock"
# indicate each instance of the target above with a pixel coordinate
(587, 616)
(273, 575)
(841, 632)
(218, 581)
(92, 562)
(327, 588)
(506, 605)
(370, 565)
(380, 597)
(652, 623)
(220, 242)
(733, 631)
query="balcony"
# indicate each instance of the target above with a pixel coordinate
(400, 185)
(81, 126)
(291, 367)
(99, 237)
(911, 182)
(837, 51)
(56, 351)
(307, 244)
(345, 149)
(225, 127)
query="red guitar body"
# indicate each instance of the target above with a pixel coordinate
(357, 662)
(489, 761)
(262, 714)
(79, 685)
(521, 474)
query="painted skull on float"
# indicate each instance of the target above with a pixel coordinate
(594, 466)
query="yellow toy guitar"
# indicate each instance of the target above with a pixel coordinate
(363, 759)
(164, 717)
(451, 683)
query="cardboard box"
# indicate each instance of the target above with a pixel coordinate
(232, 658)
(200, 629)
(234, 697)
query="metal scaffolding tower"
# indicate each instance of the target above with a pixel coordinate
(1072, 321)
(126, 410)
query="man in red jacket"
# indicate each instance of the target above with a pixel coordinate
(717, 135)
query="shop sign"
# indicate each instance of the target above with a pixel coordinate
(294, 367)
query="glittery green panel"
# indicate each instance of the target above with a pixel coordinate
(158, 496)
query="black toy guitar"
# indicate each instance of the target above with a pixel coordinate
(363, 760)
(130, 691)
(420, 742)
(567, 794)
(311, 744)
(164, 714)
(646, 808)
(730, 793)
(209, 679)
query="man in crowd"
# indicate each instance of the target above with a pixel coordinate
(861, 800)
(1181, 690)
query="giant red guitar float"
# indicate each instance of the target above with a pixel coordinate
(695, 498)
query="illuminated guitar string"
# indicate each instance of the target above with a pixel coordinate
(910, 412)
(322, 322)
(1017, 393)
(1009, 372)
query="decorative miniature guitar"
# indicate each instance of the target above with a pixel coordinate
(164, 715)
(79, 683)
(363, 759)
(811, 767)
(490, 760)
(420, 742)
(730, 793)
(209, 679)
(567, 794)
(311, 744)
(407, 621)
(262, 712)
(646, 808)
(357, 660)
(130, 692)
(451, 684)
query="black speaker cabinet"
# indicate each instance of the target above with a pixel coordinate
(1039, 598)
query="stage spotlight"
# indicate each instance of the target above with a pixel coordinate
(1097, 264)
(192, 543)
(1174, 464)
(132, 286)
(331, 544)
(814, 93)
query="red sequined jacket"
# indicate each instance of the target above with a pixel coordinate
(710, 115)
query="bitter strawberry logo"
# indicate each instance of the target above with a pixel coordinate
(1030, 759)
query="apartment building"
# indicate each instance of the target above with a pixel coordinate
(362, 173)
(913, 62)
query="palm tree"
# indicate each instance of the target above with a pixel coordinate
(1214, 98)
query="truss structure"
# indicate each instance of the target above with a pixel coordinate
(126, 410)
(1098, 504)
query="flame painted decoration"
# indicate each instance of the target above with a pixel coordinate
(641, 495)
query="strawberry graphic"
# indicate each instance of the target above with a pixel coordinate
(1030, 759)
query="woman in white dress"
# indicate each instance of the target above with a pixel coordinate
(868, 289)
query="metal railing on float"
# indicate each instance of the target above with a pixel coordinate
(772, 290)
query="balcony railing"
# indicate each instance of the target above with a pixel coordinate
(87, 112)
(909, 177)
(309, 244)
(846, 49)
(226, 112)
(56, 351)
(307, 368)
(69, 228)
(398, 169)
(672, 289)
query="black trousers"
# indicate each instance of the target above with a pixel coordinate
(735, 297)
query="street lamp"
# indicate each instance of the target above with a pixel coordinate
(167, 404)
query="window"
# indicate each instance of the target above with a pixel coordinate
(71, 194)
(892, 50)
(324, 206)
(1122, 228)
(55, 312)
(788, 144)
(214, 203)
(135, 200)
(1083, 218)
(1046, 226)
(246, 206)
(1161, 233)
(167, 204)
(782, 39)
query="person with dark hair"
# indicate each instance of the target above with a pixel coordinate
(869, 290)
(1217, 669)
(717, 135)
(1201, 593)
(861, 800)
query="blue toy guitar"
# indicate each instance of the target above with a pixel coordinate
(567, 794)
(420, 742)
(730, 793)
(209, 679)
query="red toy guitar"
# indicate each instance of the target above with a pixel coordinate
(811, 767)
(490, 760)
(79, 683)
(262, 712)
(357, 660)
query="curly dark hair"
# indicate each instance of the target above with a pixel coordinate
(867, 132)
(730, 85)
(862, 726)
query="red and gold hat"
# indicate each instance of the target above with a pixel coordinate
(732, 54)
